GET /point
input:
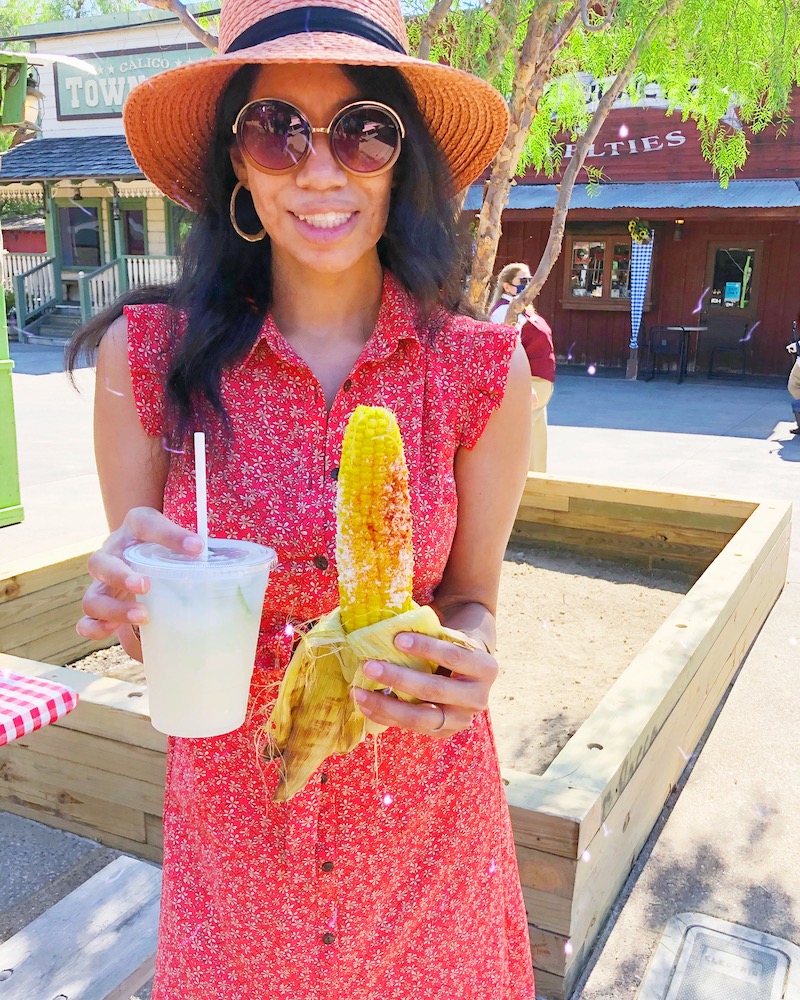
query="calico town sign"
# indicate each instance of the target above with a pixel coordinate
(101, 94)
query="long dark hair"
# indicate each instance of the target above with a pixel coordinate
(225, 286)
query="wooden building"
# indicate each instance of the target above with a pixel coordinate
(722, 258)
(107, 227)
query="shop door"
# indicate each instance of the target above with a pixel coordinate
(733, 276)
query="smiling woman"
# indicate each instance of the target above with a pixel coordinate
(322, 273)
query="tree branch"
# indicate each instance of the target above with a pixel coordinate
(187, 20)
(436, 15)
(555, 239)
(601, 25)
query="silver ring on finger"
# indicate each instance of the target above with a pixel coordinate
(440, 727)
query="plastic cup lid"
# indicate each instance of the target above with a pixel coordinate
(226, 557)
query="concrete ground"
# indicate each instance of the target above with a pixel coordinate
(725, 844)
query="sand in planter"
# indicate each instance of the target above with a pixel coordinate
(568, 625)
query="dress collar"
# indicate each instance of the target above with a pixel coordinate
(396, 321)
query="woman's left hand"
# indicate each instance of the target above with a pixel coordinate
(448, 704)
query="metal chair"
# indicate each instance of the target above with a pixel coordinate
(666, 342)
(727, 346)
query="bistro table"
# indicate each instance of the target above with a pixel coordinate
(28, 703)
(687, 331)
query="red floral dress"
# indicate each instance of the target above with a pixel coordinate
(392, 875)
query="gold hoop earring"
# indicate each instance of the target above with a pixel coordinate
(245, 236)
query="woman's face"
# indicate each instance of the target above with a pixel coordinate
(318, 216)
(520, 281)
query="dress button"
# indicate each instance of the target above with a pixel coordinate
(323, 778)
(327, 866)
(328, 938)
(347, 385)
(334, 473)
(320, 562)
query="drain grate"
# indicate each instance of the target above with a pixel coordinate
(703, 958)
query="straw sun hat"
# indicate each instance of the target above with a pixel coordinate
(169, 119)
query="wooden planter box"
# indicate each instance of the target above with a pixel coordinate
(579, 826)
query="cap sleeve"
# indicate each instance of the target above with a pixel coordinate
(150, 335)
(485, 351)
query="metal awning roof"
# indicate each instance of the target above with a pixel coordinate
(668, 194)
(50, 159)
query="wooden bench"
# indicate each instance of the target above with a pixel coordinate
(98, 943)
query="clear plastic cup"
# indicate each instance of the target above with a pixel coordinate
(199, 645)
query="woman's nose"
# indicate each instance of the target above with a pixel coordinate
(321, 169)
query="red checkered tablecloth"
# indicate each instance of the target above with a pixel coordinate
(28, 703)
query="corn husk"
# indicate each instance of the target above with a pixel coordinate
(315, 715)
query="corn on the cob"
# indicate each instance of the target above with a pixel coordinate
(314, 715)
(374, 553)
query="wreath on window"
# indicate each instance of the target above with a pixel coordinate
(639, 231)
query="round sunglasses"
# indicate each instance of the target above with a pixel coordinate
(275, 136)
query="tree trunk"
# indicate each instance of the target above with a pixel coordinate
(536, 58)
(555, 240)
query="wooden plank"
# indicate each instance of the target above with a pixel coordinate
(68, 592)
(146, 851)
(97, 943)
(154, 831)
(546, 872)
(45, 569)
(44, 623)
(714, 523)
(549, 913)
(548, 986)
(546, 815)
(24, 764)
(640, 496)
(95, 813)
(97, 752)
(110, 708)
(657, 533)
(611, 546)
(549, 951)
(48, 648)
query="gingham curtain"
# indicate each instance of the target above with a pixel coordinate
(641, 255)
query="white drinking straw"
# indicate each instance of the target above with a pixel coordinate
(201, 489)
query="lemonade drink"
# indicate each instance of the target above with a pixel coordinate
(200, 643)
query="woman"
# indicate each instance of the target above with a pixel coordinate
(537, 339)
(322, 273)
(513, 279)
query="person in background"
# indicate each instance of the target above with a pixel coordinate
(793, 384)
(537, 339)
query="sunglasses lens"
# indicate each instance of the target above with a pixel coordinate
(366, 139)
(274, 135)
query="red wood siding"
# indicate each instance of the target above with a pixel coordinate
(679, 274)
(23, 241)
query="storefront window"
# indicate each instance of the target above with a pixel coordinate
(733, 277)
(133, 228)
(599, 272)
(79, 230)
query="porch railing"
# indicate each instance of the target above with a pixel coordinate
(151, 270)
(34, 291)
(100, 288)
(18, 263)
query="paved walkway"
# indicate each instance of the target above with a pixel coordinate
(726, 844)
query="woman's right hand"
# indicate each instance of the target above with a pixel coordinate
(110, 600)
